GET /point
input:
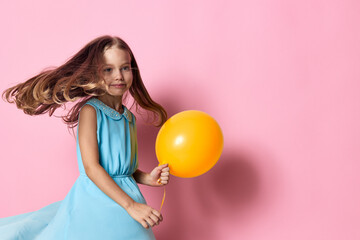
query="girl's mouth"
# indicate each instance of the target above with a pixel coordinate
(118, 85)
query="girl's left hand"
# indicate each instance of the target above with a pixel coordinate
(160, 175)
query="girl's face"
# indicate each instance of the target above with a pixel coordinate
(117, 72)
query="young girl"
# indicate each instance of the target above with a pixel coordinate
(105, 201)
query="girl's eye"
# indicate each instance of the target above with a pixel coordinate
(107, 70)
(126, 68)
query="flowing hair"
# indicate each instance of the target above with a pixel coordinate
(79, 80)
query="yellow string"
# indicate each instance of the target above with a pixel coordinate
(163, 200)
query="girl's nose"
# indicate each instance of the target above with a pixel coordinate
(118, 75)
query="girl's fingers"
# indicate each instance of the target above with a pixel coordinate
(162, 167)
(150, 221)
(164, 174)
(158, 214)
(155, 218)
(144, 224)
(162, 182)
(159, 169)
(164, 179)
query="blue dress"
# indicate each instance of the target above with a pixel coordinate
(87, 212)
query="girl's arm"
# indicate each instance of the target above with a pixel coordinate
(159, 176)
(142, 213)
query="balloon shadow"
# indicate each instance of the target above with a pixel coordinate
(231, 185)
(195, 206)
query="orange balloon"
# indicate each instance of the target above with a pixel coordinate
(191, 142)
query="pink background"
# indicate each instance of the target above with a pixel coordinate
(281, 77)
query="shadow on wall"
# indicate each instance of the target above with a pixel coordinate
(194, 207)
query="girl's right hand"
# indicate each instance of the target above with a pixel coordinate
(144, 214)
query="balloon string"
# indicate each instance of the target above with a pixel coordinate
(163, 200)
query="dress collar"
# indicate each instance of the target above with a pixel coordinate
(110, 111)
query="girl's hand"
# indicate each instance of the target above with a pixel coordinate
(160, 175)
(144, 214)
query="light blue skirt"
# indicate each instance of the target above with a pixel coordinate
(85, 213)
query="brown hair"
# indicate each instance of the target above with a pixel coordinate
(78, 80)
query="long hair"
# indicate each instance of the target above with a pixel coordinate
(78, 80)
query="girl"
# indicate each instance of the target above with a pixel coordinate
(105, 201)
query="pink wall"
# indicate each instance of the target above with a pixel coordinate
(281, 77)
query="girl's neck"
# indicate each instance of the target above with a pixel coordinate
(113, 102)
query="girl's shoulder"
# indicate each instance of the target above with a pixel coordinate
(87, 116)
(89, 106)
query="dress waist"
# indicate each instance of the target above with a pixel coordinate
(111, 175)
